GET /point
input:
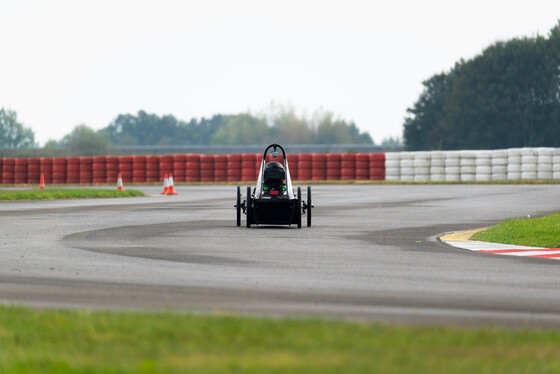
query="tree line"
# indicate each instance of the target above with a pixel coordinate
(508, 96)
(281, 125)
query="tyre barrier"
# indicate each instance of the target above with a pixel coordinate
(437, 166)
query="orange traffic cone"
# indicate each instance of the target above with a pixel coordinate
(119, 183)
(165, 184)
(171, 190)
(42, 183)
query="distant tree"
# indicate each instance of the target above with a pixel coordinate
(13, 135)
(392, 142)
(242, 129)
(84, 141)
(509, 96)
(332, 131)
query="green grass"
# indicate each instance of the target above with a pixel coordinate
(65, 193)
(47, 341)
(539, 232)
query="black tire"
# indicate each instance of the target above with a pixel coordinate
(249, 207)
(299, 208)
(238, 206)
(308, 206)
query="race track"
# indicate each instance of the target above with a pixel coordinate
(371, 254)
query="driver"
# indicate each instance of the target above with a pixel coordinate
(274, 181)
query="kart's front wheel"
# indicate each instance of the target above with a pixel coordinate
(299, 207)
(238, 206)
(309, 205)
(249, 207)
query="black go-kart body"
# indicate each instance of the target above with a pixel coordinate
(273, 201)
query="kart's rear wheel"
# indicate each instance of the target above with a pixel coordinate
(249, 207)
(299, 207)
(308, 206)
(238, 206)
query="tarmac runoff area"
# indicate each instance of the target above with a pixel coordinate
(372, 254)
(462, 240)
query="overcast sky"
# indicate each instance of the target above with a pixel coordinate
(64, 63)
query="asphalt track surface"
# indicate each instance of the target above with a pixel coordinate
(372, 254)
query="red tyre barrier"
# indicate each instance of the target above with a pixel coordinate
(318, 167)
(59, 170)
(293, 165)
(125, 168)
(20, 173)
(193, 167)
(207, 168)
(8, 170)
(166, 164)
(139, 168)
(220, 168)
(34, 170)
(362, 166)
(377, 166)
(333, 166)
(152, 169)
(99, 169)
(348, 166)
(73, 170)
(304, 167)
(47, 169)
(112, 169)
(249, 171)
(179, 168)
(234, 168)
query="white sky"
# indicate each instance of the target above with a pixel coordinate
(63, 63)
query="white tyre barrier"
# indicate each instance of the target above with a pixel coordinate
(392, 166)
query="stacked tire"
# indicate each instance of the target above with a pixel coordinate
(193, 167)
(180, 168)
(362, 166)
(556, 164)
(112, 169)
(248, 167)
(86, 170)
(377, 166)
(206, 168)
(483, 166)
(499, 165)
(528, 163)
(318, 167)
(407, 166)
(33, 170)
(544, 163)
(468, 166)
(59, 170)
(348, 166)
(20, 175)
(220, 168)
(304, 167)
(452, 166)
(8, 170)
(73, 170)
(47, 169)
(99, 169)
(392, 166)
(334, 165)
(293, 161)
(421, 166)
(437, 166)
(152, 169)
(234, 168)
(125, 168)
(514, 164)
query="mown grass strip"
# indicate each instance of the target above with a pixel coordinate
(539, 232)
(47, 341)
(65, 193)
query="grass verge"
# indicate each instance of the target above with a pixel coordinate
(539, 232)
(65, 193)
(47, 341)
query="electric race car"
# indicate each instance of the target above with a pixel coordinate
(273, 201)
